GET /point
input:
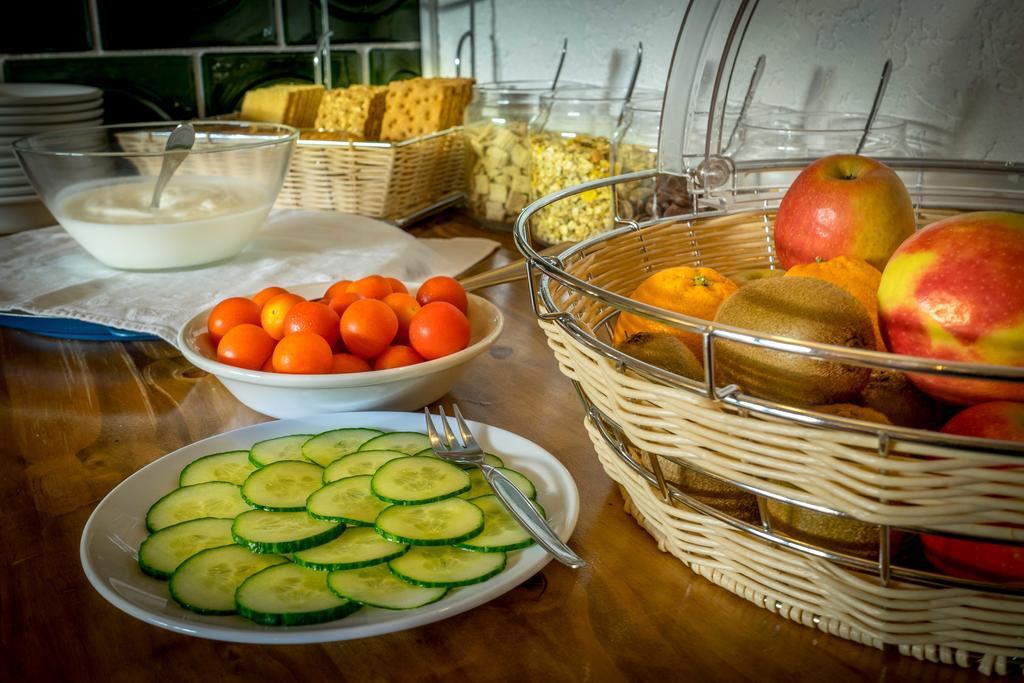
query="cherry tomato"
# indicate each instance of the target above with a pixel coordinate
(264, 295)
(231, 312)
(397, 357)
(268, 365)
(367, 327)
(370, 287)
(397, 286)
(443, 288)
(308, 316)
(303, 353)
(346, 362)
(337, 288)
(405, 307)
(245, 346)
(274, 312)
(339, 302)
(438, 330)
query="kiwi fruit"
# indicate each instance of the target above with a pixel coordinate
(829, 531)
(891, 393)
(854, 412)
(720, 495)
(663, 350)
(800, 308)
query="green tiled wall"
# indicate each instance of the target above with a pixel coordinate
(201, 62)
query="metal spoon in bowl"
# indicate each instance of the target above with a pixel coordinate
(179, 143)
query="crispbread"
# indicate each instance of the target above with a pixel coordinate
(358, 109)
(424, 105)
(290, 104)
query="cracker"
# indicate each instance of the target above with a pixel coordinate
(358, 109)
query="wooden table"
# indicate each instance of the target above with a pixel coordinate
(76, 418)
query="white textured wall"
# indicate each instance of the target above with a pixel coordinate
(958, 64)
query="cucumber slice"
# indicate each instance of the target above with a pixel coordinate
(480, 487)
(378, 587)
(230, 466)
(290, 595)
(414, 480)
(501, 533)
(282, 486)
(325, 448)
(164, 551)
(446, 521)
(206, 582)
(348, 500)
(489, 458)
(358, 547)
(275, 450)
(263, 531)
(409, 443)
(446, 566)
(211, 499)
(361, 462)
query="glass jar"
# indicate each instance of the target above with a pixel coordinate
(809, 135)
(498, 149)
(635, 148)
(570, 141)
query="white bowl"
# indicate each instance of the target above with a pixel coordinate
(285, 396)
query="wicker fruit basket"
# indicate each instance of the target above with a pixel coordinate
(394, 181)
(816, 517)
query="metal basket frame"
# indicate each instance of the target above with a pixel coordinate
(745, 193)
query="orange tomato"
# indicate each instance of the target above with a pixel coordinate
(370, 287)
(228, 313)
(268, 365)
(303, 353)
(308, 316)
(339, 302)
(346, 362)
(367, 327)
(396, 357)
(397, 286)
(337, 288)
(405, 307)
(245, 346)
(275, 310)
(438, 330)
(263, 296)
(443, 288)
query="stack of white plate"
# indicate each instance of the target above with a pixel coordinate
(27, 109)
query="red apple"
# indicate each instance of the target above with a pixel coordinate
(843, 205)
(955, 291)
(978, 559)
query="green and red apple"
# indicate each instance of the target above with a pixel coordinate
(843, 205)
(980, 560)
(955, 291)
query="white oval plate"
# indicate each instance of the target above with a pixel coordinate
(48, 109)
(111, 538)
(33, 118)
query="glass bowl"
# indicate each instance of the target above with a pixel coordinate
(98, 181)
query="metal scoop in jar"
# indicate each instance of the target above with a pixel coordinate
(179, 143)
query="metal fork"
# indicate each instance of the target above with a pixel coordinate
(467, 451)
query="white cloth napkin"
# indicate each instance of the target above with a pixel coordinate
(45, 272)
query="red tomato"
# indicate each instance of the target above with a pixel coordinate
(367, 327)
(346, 362)
(397, 286)
(443, 288)
(337, 288)
(438, 330)
(339, 302)
(264, 295)
(308, 316)
(405, 307)
(397, 357)
(228, 313)
(245, 346)
(370, 287)
(303, 353)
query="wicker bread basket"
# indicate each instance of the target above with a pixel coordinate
(649, 426)
(395, 181)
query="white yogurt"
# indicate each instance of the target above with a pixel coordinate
(200, 220)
